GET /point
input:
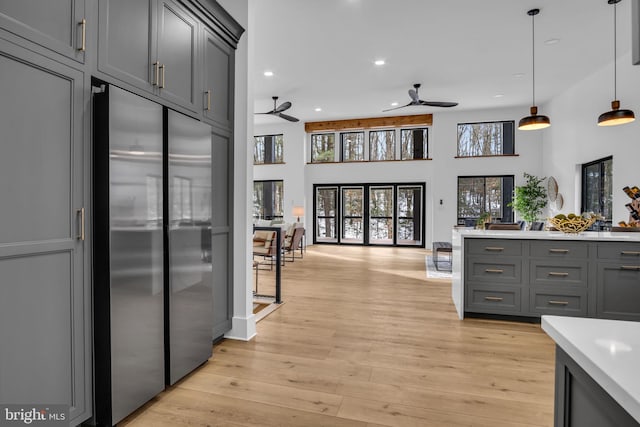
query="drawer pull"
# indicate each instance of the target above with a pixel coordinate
(636, 253)
(558, 302)
(558, 274)
(493, 270)
(493, 248)
(559, 251)
(496, 299)
(630, 267)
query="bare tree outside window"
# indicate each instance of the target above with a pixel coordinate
(485, 139)
(268, 199)
(381, 215)
(268, 149)
(352, 146)
(414, 144)
(323, 148)
(326, 213)
(382, 145)
(478, 195)
(352, 214)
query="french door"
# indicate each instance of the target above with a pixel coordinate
(370, 214)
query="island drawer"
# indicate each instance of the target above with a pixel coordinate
(567, 303)
(558, 272)
(499, 247)
(620, 251)
(498, 300)
(558, 249)
(494, 270)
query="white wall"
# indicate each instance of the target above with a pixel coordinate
(243, 323)
(574, 138)
(440, 174)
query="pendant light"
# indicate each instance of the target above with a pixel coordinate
(535, 120)
(616, 116)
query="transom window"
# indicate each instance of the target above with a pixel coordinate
(486, 139)
(268, 149)
(382, 145)
(323, 148)
(479, 195)
(415, 144)
(352, 146)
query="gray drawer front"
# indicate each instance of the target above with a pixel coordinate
(499, 247)
(558, 249)
(619, 251)
(558, 273)
(618, 291)
(486, 299)
(498, 270)
(564, 304)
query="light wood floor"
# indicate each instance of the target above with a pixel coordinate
(364, 339)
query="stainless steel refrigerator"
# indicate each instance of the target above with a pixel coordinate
(151, 249)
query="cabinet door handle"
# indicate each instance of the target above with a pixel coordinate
(558, 302)
(208, 108)
(496, 299)
(156, 76)
(83, 42)
(80, 213)
(630, 267)
(636, 253)
(163, 68)
(558, 274)
(493, 248)
(493, 270)
(559, 251)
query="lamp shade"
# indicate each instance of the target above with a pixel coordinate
(298, 211)
(616, 116)
(534, 121)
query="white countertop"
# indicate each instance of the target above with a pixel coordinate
(549, 235)
(608, 350)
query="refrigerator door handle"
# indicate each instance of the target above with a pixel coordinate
(80, 214)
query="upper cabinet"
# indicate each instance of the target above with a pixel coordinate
(58, 25)
(153, 45)
(218, 79)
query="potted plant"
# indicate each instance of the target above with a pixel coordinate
(529, 199)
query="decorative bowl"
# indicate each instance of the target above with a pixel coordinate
(574, 225)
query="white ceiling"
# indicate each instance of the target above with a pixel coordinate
(468, 51)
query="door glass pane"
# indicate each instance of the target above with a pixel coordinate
(409, 216)
(326, 202)
(381, 215)
(352, 212)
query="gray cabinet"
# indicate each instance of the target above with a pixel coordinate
(152, 45)
(58, 25)
(618, 281)
(218, 80)
(45, 309)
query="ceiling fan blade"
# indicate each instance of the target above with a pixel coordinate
(287, 117)
(438, 104)
(283, 107)
(395, 108)
(414, 95)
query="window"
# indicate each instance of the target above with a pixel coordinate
(323, 148)
(352, 215)
(326, 214)
(352, 146)
(370, 214)
(414, 144)
(597, 187)
(485, 139)
(267, 149)
(382, 145)
(181, 203)
(484, 194)
(267, 199)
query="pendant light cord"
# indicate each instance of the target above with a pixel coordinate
(533, 55)
(615, 68)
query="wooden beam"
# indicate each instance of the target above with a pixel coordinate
(367, 123)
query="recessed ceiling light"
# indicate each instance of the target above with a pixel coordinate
(268, 73)
(518, 75)
(318, 109)
(551, 41)
(498, 95)
(379, 62)
(393, 104)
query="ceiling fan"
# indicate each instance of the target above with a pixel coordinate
(415, 100)
(278, 111)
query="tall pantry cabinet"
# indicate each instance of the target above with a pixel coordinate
(49, 53)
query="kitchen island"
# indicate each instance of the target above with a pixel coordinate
(532, 273)
(597, 373)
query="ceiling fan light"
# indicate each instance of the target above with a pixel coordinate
(616, 116)
(535, 121)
